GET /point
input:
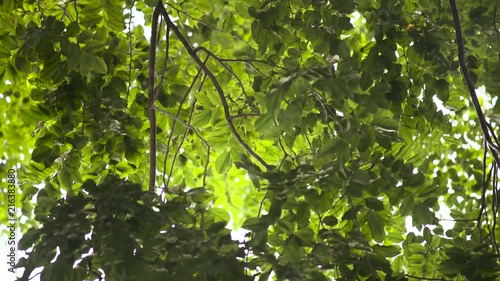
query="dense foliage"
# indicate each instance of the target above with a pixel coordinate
(318, 126)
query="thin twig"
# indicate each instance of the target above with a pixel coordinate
(170, 137)
(423, 278)
(494, 206)
(176, 118)
(244, 115)
(495, 20)
(41, 11)
(210, 54)
(484, 186)
(326, 111)
(130, 51)
(180, 144)
(205, 169)
(64, 12)
(183, 124)
(250, 61)
(285, 154)
(356, 224)
(76, 10)
(83, 117)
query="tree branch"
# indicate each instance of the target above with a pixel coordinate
(189, 127)
(179, 11)
(424, 278)
(151, 99)
(171, 135)
(470, 84)
(244, 115)
(210, 54)
(217, 86)
(186, 125)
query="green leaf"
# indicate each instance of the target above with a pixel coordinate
(477, 12)
(79, 142)
(28, 193)
(86, 64)
(90, 63)
(306, 234)
(344, 6)
(340, 107)
(376, 224)
(223, 162)
(220, 214)
(422, 215)
(29, 238)
(203, 100)
(286, 225)
(201, 119)
(73, 29)
(85, 36)
(40, 153)
(263, 122)
(330, 220)
(406, 206)
(65, 177)
(352, 213)
(452, 267)
(387, 251)
(386, 123)
(355, 189)
(125, 168)
(99, 65)
(8, 6)
(374, 204)
(255, 224)
(415, 180)
(22, 64)
(151, 3)
(416, 259)
(416, 248)
(333, 147)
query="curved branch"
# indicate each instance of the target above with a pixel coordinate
(210, 54)
(204, 23)
(423, 278)
(470, 84)
(217, 86)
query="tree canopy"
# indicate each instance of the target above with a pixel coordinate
(313, 127)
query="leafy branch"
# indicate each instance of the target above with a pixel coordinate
(188, 127)
(494, 147)
(210, 54)
(424, 278)
(179, 11)
(160, 9)
(490, 139)
(170, 137)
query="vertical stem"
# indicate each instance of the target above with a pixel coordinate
(151, 100)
